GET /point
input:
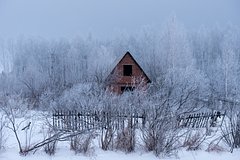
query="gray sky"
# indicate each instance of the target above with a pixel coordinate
(106, 18)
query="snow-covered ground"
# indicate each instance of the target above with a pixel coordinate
(63, 151)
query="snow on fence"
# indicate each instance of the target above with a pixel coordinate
(201, 120)
(82, 120)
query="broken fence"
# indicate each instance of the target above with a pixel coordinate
(201, 120)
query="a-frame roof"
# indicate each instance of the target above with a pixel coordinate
(128, 53)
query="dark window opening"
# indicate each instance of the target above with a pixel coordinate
(127, 88)
(127, 70)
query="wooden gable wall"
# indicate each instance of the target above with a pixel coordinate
(117, 79)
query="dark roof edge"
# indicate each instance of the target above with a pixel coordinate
(148, 79)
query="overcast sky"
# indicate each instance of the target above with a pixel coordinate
(106, 18)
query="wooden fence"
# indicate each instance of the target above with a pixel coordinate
(201, 120)
(82, 120)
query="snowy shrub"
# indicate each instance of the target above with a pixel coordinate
(50, 148)
(126, 140)
(193, 140)
(3, 124)
(46, 99)
(231, 131)
(215, 148)
(150, 139)
(13, 108)
(237, 132)
(82, 143)
(160, 134)
(106, 138)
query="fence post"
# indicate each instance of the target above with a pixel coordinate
(144, 119)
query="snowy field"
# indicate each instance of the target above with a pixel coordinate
(10, 151)
(64, 153)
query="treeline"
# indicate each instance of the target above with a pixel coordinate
(206, 59)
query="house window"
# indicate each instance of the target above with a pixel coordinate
(127, 88)
(127, 70)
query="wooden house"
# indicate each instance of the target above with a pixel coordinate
(126, 76)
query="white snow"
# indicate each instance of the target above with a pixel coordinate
(63, 151)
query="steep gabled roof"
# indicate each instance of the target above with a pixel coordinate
(128, 53)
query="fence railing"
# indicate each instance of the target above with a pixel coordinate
(81, 120)
(201, 120)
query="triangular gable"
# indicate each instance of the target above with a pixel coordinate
(128, 53)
